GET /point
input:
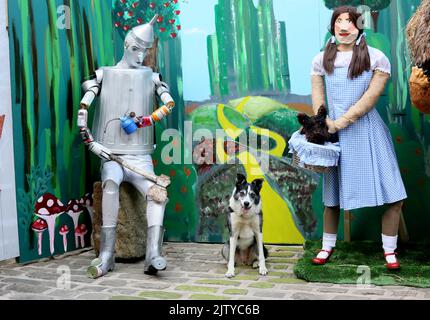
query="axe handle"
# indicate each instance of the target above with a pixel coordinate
(124, 163)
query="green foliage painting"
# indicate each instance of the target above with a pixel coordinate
(50, 57)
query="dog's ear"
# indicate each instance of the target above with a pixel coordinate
(241, 179)
(257, 184)
(322, 112)
(303, 119)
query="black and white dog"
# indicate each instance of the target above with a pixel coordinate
(245, 224)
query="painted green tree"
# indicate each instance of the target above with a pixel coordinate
(165, 57)
(131, 13)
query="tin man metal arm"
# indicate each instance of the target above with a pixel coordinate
(163, 92)
(92, 89)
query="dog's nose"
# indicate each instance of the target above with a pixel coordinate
(246, 203)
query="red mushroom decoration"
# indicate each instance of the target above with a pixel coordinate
(74, 210)
(87, 202)
(64, 230)
(80, 232)
(48, 208)
(39, 226)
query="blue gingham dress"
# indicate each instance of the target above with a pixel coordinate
(368, 174)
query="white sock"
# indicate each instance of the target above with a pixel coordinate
(328, 243)
(389, 244)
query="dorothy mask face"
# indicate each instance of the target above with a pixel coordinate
(345, 30)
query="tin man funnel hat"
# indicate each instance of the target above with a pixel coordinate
(144, 34)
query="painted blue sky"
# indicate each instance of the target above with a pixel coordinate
(306, 23)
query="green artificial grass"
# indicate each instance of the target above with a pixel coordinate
(343, 265)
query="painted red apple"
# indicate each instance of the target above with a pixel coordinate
(166, 4)
(177, 12)
(162, 29)
(139, 20)
(160, 19)
(130, 13)
(178, 27)
(135, 4)
(120, 14)
(152, 5)
(117, 24)
(171, 21)
(173, 35)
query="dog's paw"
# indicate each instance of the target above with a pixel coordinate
(263, 271)
(230, 274)
(255, 265)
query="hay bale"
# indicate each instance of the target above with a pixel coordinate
(132, 223)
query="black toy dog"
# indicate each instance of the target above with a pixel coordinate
(315, 128)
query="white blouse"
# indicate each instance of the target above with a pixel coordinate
(378, 61)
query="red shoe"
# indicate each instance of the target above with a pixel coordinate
(321, 261)
(392, 265)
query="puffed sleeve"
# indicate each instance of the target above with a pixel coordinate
(317, 65)
(379, 61)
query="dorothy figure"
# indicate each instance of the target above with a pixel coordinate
(353, 75)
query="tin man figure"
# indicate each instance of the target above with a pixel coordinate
(124, 141)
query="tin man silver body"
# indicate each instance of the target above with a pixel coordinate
(124, 91)
(129, 87)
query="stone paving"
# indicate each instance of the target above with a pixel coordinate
(195, 272)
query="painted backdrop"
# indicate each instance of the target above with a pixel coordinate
(258, 55)
(55, 45)
(241, 65)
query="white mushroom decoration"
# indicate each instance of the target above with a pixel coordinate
(74, 210)
(39, 226)
(80, 232)
(49, 208)
(64, 230)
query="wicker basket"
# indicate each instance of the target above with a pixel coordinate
(317, 169)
